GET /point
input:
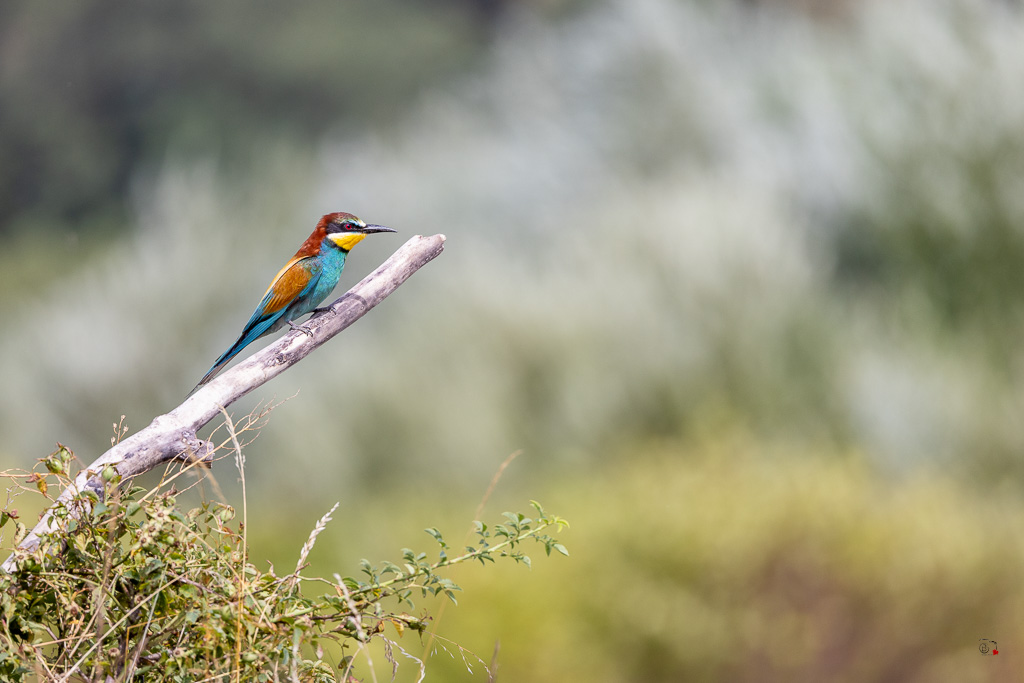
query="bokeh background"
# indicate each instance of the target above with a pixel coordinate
(743, 281)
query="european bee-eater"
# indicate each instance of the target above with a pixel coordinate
(303, 283)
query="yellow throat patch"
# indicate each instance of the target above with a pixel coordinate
(346, 240)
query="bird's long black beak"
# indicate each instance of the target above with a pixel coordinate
(376, 228)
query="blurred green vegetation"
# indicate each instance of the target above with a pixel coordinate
(714, 558)
(658, 213)
(721, 558)
(93, 92)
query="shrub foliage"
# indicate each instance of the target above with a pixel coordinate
(133, 586)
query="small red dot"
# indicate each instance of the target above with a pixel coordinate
(995, 652)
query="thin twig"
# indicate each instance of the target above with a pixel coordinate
(240, 462)
(141, 645)
(99, 641)
(476, 516)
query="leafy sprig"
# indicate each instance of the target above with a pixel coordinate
(418, 573)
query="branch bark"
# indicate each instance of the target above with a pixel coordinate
(173, 436)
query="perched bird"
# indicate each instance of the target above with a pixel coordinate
(303, 283)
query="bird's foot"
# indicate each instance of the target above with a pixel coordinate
(300, 328)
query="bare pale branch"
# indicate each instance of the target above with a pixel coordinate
(173, 436)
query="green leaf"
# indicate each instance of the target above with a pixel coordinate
(436, 536)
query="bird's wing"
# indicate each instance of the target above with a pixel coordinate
(293, 282)
(296, 280)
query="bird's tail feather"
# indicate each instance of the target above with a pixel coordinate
(217, 367)
(253, 331)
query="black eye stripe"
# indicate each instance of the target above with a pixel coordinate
(346, 226)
